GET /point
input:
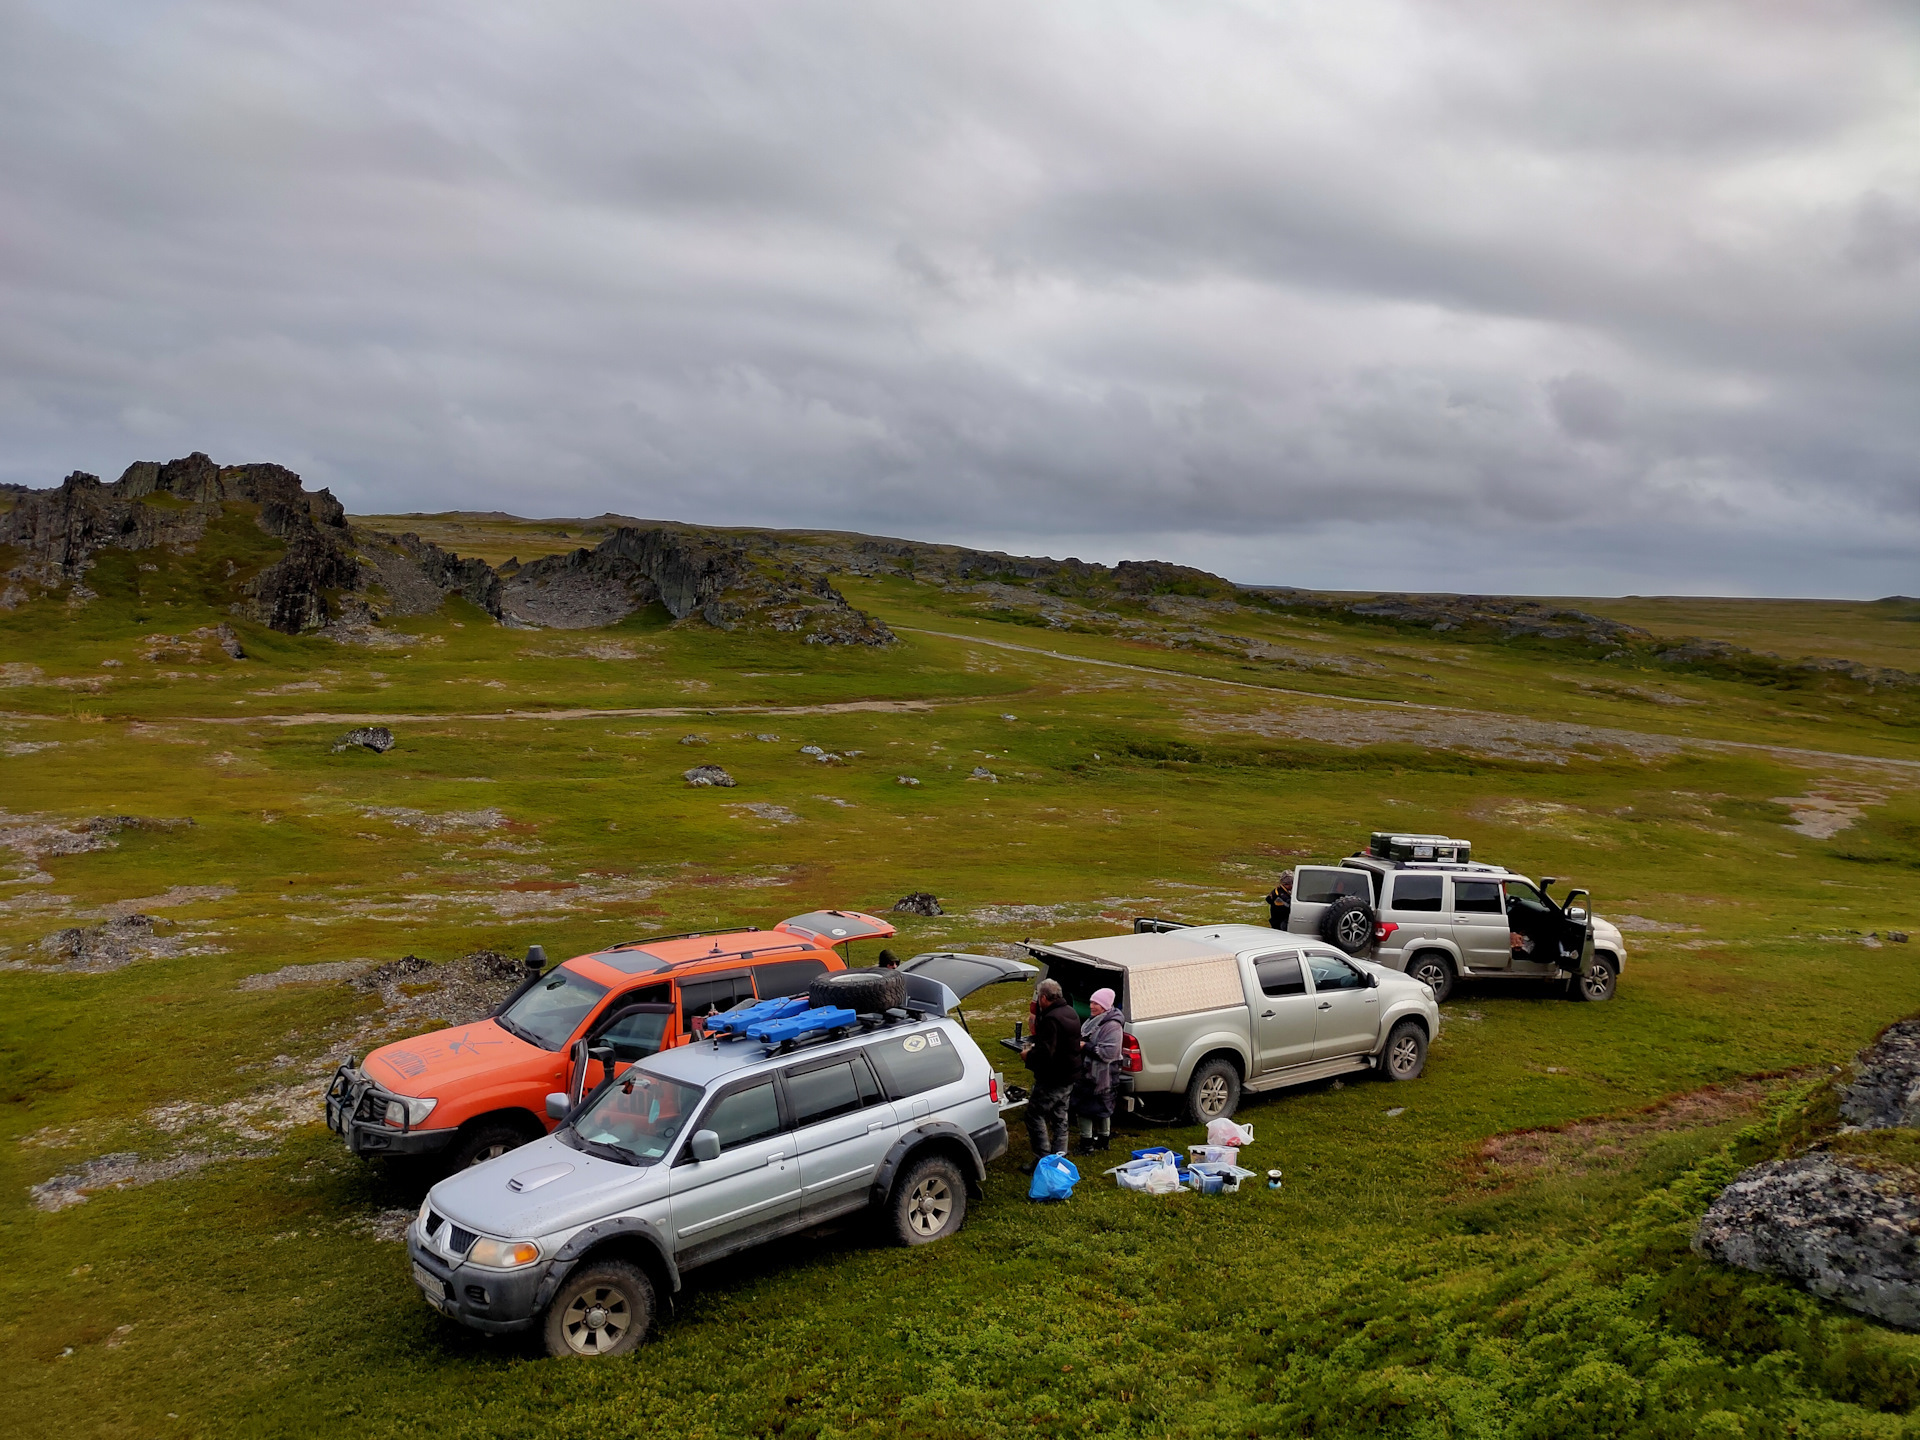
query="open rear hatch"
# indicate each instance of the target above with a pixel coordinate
(835, 927)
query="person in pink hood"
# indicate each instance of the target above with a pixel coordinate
(1102, 1046)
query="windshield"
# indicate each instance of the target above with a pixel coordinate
(638, 1117)
(551, 1011)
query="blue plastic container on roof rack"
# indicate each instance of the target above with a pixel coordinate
(736, 1022)
(773, 1032)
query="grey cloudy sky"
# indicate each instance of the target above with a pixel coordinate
(1448, 294)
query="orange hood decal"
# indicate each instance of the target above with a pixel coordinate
(421, 1065)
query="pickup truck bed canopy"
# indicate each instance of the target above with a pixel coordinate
(1176, 973)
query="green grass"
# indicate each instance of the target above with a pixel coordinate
(1395, 1286)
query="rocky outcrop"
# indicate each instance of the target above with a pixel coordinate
(1844, 1232)
(377, 738)
(708, 775)
(1846, 1226)
(1886, 1081)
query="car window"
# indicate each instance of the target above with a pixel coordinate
(1417, 892)
(1522, 898)
(707, 995)
(744, 1116)
(640, 1113)
(829, 1090)
(1315, 885)
(916, 1062)
(638, 1036)
(1330, 972)
(1280, 975)
(552, 1010)
(786, 977)
(1477, 897)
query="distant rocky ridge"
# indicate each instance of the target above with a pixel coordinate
(342, 580)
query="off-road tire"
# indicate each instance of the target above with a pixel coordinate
(929, 1202)
(1436, 969)
(1214, 1091)
(866, 991)
(1406, 1053)
(1595, 982)
(602, 1309)
(1347, 924)
(483, 1142)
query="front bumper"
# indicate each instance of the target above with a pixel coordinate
(498, 1302)
(356, 1112)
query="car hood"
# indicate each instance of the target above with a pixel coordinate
(424, 1064)
(1607, 936)
(559, 1188)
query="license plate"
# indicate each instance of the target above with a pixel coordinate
(431, 1287)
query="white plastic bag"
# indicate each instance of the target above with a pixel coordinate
(1162, 1180)
(1225, 1132)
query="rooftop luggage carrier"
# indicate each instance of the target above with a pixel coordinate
(1384, 845)
(783, 1025)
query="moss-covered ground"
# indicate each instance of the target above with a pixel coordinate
(1417, 1275)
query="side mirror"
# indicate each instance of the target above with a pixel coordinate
(1373, 981)
(705, 1145)
(558, 1105)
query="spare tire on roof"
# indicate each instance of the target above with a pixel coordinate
(1348, 923)
(866, 991)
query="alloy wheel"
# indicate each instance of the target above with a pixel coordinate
(1213, 1095)
(1405, 1055)
(1354, 930)
(596, 1320)
(929, 1205)
(491, 1152)
(1598, 981)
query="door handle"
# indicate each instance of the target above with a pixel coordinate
(1266, 1014)
(877, 1125)
(1326, 1004)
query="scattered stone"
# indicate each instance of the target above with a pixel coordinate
(462, 991)
(119, 1171)
(768, 739)
(980, 772)
(708, 775)
(325, 973)
(377, 738)
(827, 757)
(905, 780)
(693, 739)
(443, 823)
(1009, 717)
(97, 949)
(779, 814)
(920, 902)
(1899, 937)
(1396, 1111)
(1841, 1231)
(811, 750)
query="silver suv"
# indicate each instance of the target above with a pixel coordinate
(1443, 920)
(793, 1113)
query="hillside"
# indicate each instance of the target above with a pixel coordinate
(207, 901)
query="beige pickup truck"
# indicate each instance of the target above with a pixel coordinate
(1215, 1011)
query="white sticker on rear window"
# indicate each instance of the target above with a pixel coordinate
(914, 1044)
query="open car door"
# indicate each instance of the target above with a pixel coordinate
(829, 928)
(944, 978)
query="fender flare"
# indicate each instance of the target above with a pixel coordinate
(1209, 1044)
(584, 1239)
(1446, 947)
(942, 1131)
(1403, 1010)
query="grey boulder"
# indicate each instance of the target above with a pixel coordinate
(708, 775)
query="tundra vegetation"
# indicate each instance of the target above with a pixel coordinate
(207, 902)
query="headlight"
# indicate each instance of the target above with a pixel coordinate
(425, 1205)
(412, 1111)
(503, 1254)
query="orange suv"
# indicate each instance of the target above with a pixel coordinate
(475, 1091)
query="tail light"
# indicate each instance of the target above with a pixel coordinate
(1382, 929)
(993, 1088)
(1131, 1052)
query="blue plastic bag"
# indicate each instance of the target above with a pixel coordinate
(1054, 1177)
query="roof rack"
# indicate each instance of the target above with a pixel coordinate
(685, 935)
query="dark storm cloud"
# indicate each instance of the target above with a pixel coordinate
(1471, 295)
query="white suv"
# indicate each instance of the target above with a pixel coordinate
(1443, 920)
